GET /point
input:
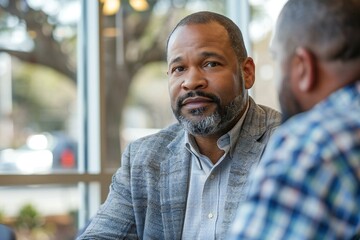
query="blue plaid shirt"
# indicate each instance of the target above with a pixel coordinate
(307, 185)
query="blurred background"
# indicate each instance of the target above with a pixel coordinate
(79, 80)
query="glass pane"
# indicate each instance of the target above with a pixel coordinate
(134, 38)
(40, 212)
(38, 63)
(263, 17)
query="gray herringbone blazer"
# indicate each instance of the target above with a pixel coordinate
(148, 194)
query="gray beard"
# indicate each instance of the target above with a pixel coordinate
(216, 122)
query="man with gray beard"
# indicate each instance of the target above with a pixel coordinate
(186, 181)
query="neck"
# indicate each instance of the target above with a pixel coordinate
(208, 144)
(332, 76)
(208, 147)
(344, 72)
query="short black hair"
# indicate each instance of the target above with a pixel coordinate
(330, 28)
(234, 32)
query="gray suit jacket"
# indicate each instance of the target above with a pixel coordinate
(148, 194)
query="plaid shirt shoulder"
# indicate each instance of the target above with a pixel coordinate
(308, 183)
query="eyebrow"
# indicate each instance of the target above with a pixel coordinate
(175, 60)
(212, 54)
(203, 54)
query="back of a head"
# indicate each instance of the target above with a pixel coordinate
(329, 28)
(204, 17)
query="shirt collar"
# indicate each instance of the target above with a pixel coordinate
(341, 97)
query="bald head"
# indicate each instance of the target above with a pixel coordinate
(233, 31)
(328, 28)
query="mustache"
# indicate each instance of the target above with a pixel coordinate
(197, 94)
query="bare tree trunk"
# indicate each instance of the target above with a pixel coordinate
(117, 82)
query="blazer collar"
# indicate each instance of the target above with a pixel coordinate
(247, 154)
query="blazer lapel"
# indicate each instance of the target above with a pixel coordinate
(173, 188)
(246, 156)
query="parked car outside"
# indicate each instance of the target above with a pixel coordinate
(42, 153)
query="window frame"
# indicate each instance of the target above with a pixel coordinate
(92, 178)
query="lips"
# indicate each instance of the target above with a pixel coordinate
(196, 102)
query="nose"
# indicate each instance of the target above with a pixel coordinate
(194, 79)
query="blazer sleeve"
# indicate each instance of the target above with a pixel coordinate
(115, 218)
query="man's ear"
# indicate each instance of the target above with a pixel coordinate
(248, 68)
(304, 66)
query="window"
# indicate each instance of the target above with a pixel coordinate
(45, 177)
(80, 79)
(264, 14)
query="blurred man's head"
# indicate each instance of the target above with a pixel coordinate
(317, 49)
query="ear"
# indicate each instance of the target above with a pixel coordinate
(304, 66)
(248, 69)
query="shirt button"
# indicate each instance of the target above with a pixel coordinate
(210, 215)
(212, 176)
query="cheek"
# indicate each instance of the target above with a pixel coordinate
(229, 85)
(228, 94)
(283, 84)
(283, 91)
(278, 78)
(174, 89)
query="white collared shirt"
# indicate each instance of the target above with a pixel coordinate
(208, 187)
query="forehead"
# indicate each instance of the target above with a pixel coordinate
(199, 36)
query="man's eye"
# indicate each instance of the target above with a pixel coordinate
(178, 69)
(211, 64)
